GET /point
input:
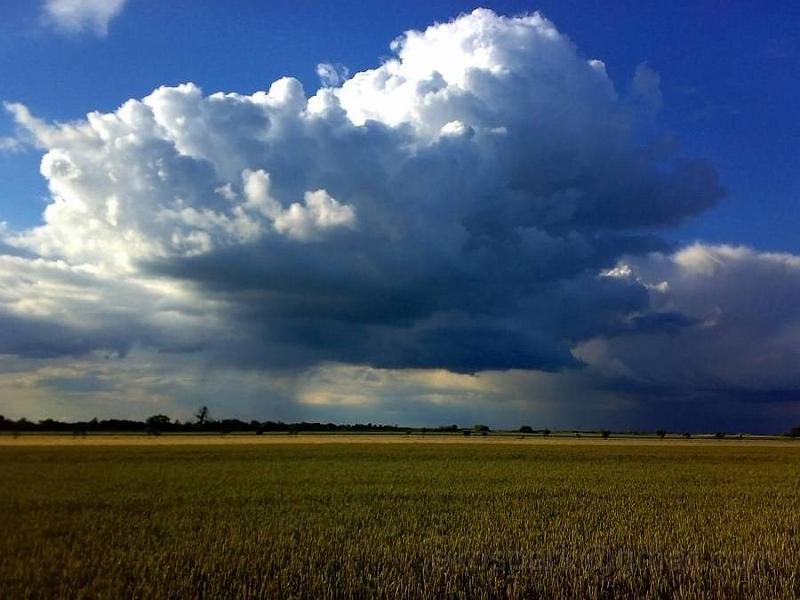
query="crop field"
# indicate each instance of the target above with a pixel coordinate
(304, 518)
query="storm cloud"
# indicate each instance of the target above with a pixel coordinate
(457, 207)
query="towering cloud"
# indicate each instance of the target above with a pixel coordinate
(450, 208)
(476, 202)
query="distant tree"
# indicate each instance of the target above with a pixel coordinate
(482, 429)
(795, 432)
(546, 433)
(158, 421)
(577, 434)
(661, 433)
(606, 434)
(687, 435)
(466, 432)
(202, 415)
(156, 424)
(526, 429)
(720, 435)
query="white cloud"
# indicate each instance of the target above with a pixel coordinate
(76, 16)
(331, 75)
(319, 213)
(9, 144)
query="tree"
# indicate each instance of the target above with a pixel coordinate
(687, 435)
(482, 429)
(526, 429)
(546, 433)
(606, 434)
(156, 424)
(158, 421)
(202, 415)
(720, 435)
(661, 433)
(795, 432)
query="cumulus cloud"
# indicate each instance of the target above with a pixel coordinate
(743, 326)
(451, 208)
(76, 16)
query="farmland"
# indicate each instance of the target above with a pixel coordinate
(320, 516)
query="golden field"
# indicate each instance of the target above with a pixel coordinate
(384, 516)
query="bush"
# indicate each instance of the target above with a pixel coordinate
(661, 433)
(606, 434)
(795, 432)
(526, 429)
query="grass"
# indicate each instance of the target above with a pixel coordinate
(297, 518)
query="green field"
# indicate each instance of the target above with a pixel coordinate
(397, 519)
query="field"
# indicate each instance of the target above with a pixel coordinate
(318, 517)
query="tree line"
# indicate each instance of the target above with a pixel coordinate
(157, 424)
(203, 423)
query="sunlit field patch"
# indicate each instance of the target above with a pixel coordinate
(497, 517)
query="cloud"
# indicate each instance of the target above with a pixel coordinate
(740, 340)
(451, 208)
(10, 144)
(332, 75)
(78, 16)
(646, 88)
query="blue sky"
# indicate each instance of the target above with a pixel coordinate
(480, 223)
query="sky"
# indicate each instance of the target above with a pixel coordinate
(563, 214)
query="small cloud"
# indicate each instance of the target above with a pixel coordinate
(9, 144)
(78, 16)
(332, 75)
(319, 212)
(646, 88)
